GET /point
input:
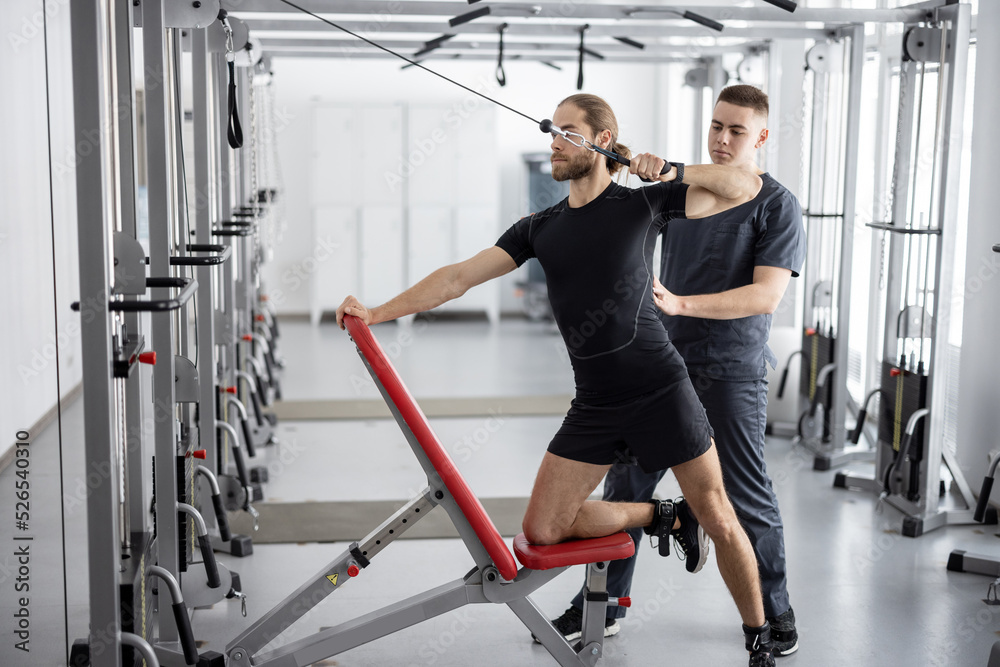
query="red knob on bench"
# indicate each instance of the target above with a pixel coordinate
(353, 570)
(810, 331)
(247, 337)
(199, 453)
(148, 358)
(895, 372)
(625, 602)
(228, 390)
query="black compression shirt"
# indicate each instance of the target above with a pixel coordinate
(598, 267)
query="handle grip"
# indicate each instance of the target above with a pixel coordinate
(211, 566)
(258, 408)
(666, 169)
(248, 437)
(781, 385)
(984, 499)
(222, 253)
(262, 386)
(856, 433)
(241, 466)
(186, 636)
(221, 517)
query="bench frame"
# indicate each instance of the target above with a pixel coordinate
(494, 579)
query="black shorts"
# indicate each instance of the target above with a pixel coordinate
(662, 428)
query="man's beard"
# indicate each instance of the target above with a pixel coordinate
(576, 167)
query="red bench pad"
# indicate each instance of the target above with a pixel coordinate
(416, 421)
(573, 552)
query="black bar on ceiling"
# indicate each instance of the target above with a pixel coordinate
(469, 16)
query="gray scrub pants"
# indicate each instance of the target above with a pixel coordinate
(737, 413)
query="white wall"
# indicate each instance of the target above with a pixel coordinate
(29, 205)
(531, 88)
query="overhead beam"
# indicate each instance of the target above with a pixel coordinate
(646, 29)
(562, 10)
(407, 48)
(436, 57)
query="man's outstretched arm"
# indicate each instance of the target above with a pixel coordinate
(445, 284)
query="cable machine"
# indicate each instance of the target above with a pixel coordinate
(834, 111)
(919, 246)
(183, 298)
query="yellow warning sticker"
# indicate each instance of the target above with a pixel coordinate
(332, 578)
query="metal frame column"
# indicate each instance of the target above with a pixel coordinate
(840, 396)
(202, 109)
(955, 70)
(161, 217)
(90, 106)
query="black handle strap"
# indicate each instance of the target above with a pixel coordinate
(241, 466)
(221, 518)
(234, 131)
(248, 437)
(186, 636)
(501, 75)
(579, 71)
(984, 500)
(211, 565)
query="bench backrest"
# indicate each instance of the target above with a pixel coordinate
(413, 419)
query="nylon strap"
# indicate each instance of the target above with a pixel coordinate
(234, 131)
(897, 419)
(501, 76)
(812, 367)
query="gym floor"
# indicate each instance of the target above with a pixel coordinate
(863, 594)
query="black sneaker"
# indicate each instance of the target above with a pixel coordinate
(783, 634)
(570, 625)
(690, 538)
(758, 641)
(662, 525)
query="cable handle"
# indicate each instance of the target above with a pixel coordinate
(183, 622)
(984, 493)
(781, 385)
(547, 127)
(859, 427)
(984, 500)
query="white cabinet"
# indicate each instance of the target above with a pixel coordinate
(335, 229)
(402, 191)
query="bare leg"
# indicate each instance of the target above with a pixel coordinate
(559, 510)
(701, 482)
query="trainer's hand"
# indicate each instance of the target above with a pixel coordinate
(647, 166)
(352, 306)
(664, 299)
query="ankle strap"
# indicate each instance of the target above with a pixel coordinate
(757, 639)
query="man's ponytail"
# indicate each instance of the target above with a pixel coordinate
(621, 149)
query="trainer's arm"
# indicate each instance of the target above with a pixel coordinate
(758, 298)
(716, 188)
(445, 284)
(713, 187)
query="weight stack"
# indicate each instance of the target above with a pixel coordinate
(817, 352)
(136, 596)
(905, 392)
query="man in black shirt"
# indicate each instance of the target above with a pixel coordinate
(596, 248)
(732, 269)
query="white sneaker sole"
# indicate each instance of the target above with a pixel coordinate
(609, 631)
(788, 651)
(704, 542)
